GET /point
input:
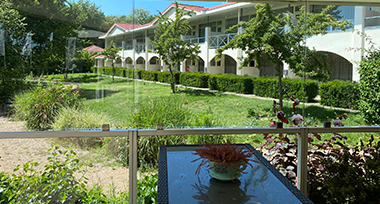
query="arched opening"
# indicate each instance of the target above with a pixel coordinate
(340, 67)
(195, 65)
(154, 61)
(128, 63)
(230, 65)
(154, 64)
(118, 62)
(140, 63)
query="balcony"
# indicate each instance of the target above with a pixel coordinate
(220, 40)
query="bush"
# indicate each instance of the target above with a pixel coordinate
(56, 184)
(147, 189)
(231, 83)
(39, 106)
(149, 75)
(337, 93)
(369, 103)
(304, 90)
(194, 79)
(165, 77)
(75, 118)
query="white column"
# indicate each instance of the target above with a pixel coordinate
(239, 52)
(122, 50)
(358, 40)
(146, 51)
(133, 54)
(207, 63)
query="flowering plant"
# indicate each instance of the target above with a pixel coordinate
(231, 155)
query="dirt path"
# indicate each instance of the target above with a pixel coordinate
(19, 151)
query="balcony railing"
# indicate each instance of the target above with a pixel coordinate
(372, 21)
(220, 40)
(195, 40)
(140, 48)
(133, 134)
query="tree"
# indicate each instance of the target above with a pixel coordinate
(262, 38)
(111, 54)
(11, 66)
(168, 43)
(139, 16)
(136, 16)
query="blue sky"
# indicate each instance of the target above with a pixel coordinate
(123, 7)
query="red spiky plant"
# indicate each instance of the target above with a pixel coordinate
(228, 154)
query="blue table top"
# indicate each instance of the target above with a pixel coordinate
(260, 183)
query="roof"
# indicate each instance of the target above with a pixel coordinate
(93, 48)
(129, 26)
(100, 57)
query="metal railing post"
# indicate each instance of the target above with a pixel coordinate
(302, 160)
(133, 166)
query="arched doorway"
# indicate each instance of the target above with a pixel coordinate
(340, 67)
(140, 63)
(195, 65)
(230, 65)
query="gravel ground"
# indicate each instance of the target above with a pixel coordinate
(19, 151)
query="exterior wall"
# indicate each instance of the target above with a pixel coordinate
(335, 42)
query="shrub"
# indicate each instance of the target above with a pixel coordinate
(231, 83)
(39, 105)
(55, 184)
(304, 90)
(337, 93)
(369, 103)
(147, 189)
(165, 77)
(149, 75)
(194, 79)
(75, 118)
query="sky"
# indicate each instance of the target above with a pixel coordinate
(123, 7)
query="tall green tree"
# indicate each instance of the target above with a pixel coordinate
(168, 43)
(261, 38)
(11, 67)
(111, 54)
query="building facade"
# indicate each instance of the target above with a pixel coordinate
(208, 29)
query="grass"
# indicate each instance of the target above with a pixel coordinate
(120, 101)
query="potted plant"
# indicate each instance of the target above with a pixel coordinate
(225, 161)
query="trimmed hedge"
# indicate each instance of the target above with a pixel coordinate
(338, 93)
(268, 87)
(231, 83)
(149, 75)
(195, 79)
(165, 77)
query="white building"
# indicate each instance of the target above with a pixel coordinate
(208, 29)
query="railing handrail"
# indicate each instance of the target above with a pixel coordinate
(133, 134)
(372, 17)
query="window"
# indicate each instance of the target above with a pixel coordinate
(252, 63)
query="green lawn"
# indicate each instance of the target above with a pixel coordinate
(120, 101)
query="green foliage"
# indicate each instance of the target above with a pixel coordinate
(337, 93)
(85, 61)
(13, 25)
(165, 77)
(149, 75)
(39, 105)
(303, 90)
(231, 83)
(369, 103)
(169, 44)
(55, 184)
(194, 79)
(111, 54)
(70, 118)
(147, 189)
(335, 184)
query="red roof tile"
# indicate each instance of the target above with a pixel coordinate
(93, 48)
(100, 57)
